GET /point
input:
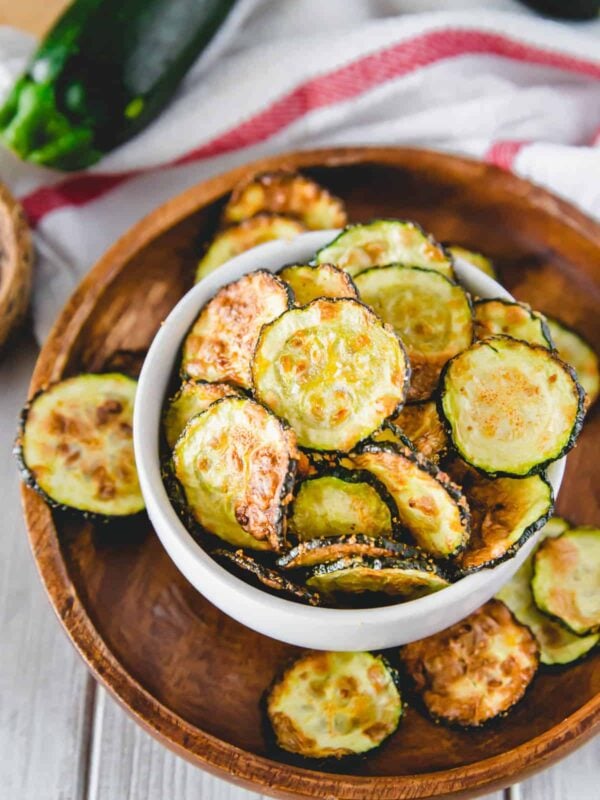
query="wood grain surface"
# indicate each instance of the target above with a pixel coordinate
(194, 677)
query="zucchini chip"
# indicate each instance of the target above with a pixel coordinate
(250, 233)
(566, 579)
(505, 512)
(191, 398)
(75, 445)
(392, 433)
(557, 644)
(407, 577)
(331, 705)
(430, 506)
(220, 345)
(346, 501)
(310, 281)
(322, 551)
(421, 423)
(477, 669)
(573, 349)
(332, 370)
(286, 193)
(475, 259)
(431, 314)
(512, 408)
(244, 565)
(382, 242)
(499, 316)
(236, 463)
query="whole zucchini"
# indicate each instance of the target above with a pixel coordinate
(102, 73)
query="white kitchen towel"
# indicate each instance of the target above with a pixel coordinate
(515, 90)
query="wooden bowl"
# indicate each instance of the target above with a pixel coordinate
(192, 676)
(15, 264)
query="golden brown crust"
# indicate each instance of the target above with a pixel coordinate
(423, 426)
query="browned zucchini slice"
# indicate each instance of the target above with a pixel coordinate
(566, 579)
(406, 577)
(573, 349)
(505, 512)
(236, 463)
(75, 446)
(246, 566)
(220, 345)
(477, 669)
(382, 242)
(286, 193)
(421, 423)
(191, 398)
(332, 370)
(475, 259)
(508, 317)
(247, 234)
(321, 551)
(331, 705)
(430, 506)
(512, 408)
(431, 314)
(310, 281)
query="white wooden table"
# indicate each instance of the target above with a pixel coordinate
(61, 736)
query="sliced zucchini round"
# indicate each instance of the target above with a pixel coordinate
(310, 281)
(382, 242)
(332, 370)
(220, 345)
(475, 259)
(346, 501)
(408, 578)
(332, 548)
(573, 349)
(566, 579)
(237, 239)
(236, 463)
(477, 669)
(554, 527)
(75, 445)
(392, 433)
(191, 398)
(512, 408)
(430, 506)
(331, 705)
(499, 316)
(431, 314)
(421, 423)
(246, 566)
(286, 193)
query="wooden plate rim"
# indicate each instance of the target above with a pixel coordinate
(222, 758)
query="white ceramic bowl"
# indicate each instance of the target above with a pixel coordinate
(320, 628)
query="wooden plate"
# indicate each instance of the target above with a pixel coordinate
(192, 676)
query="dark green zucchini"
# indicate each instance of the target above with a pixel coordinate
(246, 566)
(310, 281)
(75, 446)
(102, 73)
(236, 463)
(221, 342)
(191, 398)
(566, 579)
(508, 317)
(431, 314)
(244, 236)
(406, 577)
(511, 408)
(478, 260)
(575, 10)
(342, 502)
(431, 508)
(421, 424)
(332, 548)
(286, 193)
(574, 350)
(383, 242)
(332, 370)
(332, 705)
(476, 670)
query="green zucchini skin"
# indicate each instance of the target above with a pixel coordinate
(566, 9)
(533, 315)
(104, 71)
